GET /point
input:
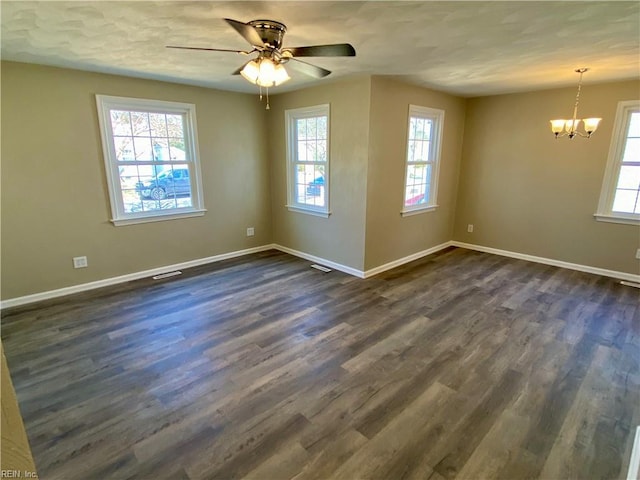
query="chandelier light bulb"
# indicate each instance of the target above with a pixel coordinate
(571, 125)
(557, 125)
(591, 124)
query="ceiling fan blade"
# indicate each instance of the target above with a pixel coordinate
(307, 68)
(242, 52)
(237, 72)
(248, 32)
(335, 50)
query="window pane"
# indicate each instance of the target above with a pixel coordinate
(414, 195)
(632, 150)
(629, 177)
(416, 174)
(301, 128)
(311, 151)
(129, 177)
(634, 125)
(175, 125)
(124, 149)
(311, 128)
(158, 123)
(143, 150)
(420, 128)
(177, 149)
(426, 133)
(412, 128)
(121, 122)
(322, 150)
(132, 201)
(302, 151)
(309, 171)
(140, 124)
(160, 149)
(625, 201)
(322, 128)
(426, 151)
(421, 154)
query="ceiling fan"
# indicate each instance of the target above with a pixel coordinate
(267, 69)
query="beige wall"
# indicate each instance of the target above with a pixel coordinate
(526, 192)
(55, 203)
(389, 236)
(339, 238)
(523, 191)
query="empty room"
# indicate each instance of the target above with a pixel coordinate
(320, 240)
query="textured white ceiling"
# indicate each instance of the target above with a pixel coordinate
(466, 48)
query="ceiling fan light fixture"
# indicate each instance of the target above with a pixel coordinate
(265, 72)
(281, 75)
(251, 71)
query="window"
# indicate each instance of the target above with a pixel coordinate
(308, 159)
(620, 195)
(150, 153)
(423, 159)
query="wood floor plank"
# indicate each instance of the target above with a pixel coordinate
(461, 364)
(373, 459)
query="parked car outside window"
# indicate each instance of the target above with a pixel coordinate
(168, 183)
(315, 188)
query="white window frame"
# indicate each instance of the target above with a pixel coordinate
(437, 118)
(291, 116)
(105, 104)
(605, 211)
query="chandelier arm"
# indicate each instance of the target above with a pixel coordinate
(575, 107)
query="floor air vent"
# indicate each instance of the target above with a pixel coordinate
(167, 275)
(321, 268)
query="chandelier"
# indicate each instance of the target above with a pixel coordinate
(569, 128)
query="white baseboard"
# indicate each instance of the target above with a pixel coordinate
(36, 297)
(360, 273)
(410, 258)
(549, 261)
(322, 261)
(634, 462)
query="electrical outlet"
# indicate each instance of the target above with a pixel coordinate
(251, 232)
(80, 262)
(470, 228)
(638, 254)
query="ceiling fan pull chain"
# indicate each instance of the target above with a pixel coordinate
(268, 108)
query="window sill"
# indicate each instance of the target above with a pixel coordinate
(308, 211)
(418, 211)
(118, 222)
(612, 218)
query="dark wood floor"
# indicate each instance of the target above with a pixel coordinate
(459, 365)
